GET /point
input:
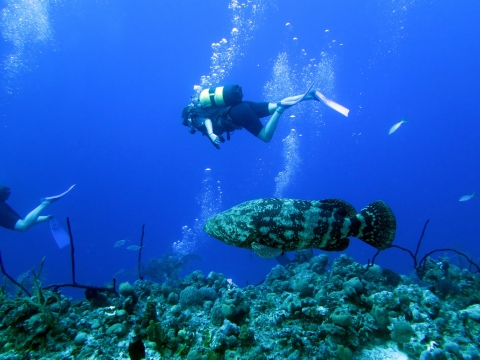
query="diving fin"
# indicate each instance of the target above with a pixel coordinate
(332, 104)
(59, 234)
(52, 199)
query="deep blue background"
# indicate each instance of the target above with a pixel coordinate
(101, 107)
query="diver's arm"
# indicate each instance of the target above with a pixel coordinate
(215, 139)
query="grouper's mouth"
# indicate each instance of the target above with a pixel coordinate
(212, 229)
(207, 228)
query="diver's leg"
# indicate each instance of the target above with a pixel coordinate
(293, 100)
(267, 132)
(272, 107)
(282, 105)
(42, 219)
(33, 217)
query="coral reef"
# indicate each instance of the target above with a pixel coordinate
(303, 311)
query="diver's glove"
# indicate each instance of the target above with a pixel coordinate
(215, 140)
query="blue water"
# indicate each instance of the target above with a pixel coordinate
(92, 92)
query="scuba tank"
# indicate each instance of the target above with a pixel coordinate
(221, 96)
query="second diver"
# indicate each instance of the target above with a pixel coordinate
(221, 110)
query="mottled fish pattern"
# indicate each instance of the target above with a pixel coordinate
(271, 226)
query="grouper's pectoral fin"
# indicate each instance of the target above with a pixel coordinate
(266, 252)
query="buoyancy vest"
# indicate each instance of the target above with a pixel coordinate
(214, 104)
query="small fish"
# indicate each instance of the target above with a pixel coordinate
(120, 242)
(468, 197)
(397, 125)
(271, 227)
(134, 247)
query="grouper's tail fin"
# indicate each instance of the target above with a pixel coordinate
(377, 225)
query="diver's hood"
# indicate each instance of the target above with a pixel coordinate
(186, 113)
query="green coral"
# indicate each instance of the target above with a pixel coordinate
(212, 355)
(344, 353)
(181, 349)
(150, 314)
(246, 336)
(207, 338)
(156, 334)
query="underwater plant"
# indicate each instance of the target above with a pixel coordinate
(30, 318)
(419, 265)
(55, 287)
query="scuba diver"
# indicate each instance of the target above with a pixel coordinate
(9, 219)
(221, 110)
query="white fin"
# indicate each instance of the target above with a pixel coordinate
(52, 199)
(332, 104)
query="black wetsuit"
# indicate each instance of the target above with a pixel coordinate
(247, 114)
(8, 216)
(226, 119)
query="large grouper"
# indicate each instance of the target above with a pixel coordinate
(272, 226)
